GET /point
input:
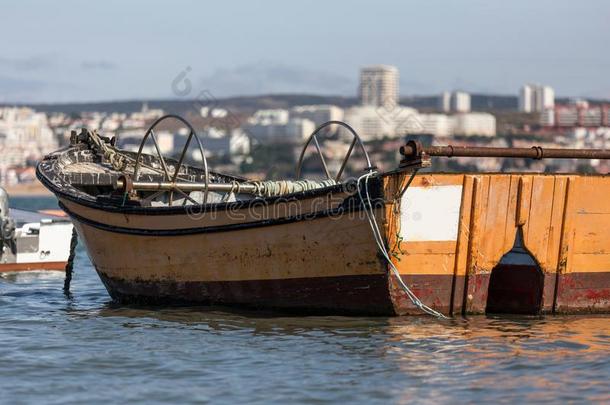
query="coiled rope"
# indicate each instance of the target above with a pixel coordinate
(271, 188)
(111, 154)
(368, 209)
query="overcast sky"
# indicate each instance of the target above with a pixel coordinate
(64, 51)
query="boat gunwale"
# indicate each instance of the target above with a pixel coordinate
(92, 202)
(72, 194)
(328, 213)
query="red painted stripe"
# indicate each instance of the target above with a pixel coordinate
(54, 266)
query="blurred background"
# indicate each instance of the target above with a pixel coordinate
(256, 78)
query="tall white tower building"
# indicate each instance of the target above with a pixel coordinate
(379, 86)
(545, 98)
(536, 98)
(457, 101)
(444, 101)
(525, 98)
(460, 102)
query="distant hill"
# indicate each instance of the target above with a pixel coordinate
(249, 104)
(241, 104)
(478, 102)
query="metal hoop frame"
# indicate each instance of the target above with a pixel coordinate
(313, 137)
(172, 178)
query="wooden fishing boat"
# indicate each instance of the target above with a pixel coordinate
(392, 243)
(32, 240)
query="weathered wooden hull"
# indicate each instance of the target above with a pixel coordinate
(316, 259)
(468, 223)
(348, 295)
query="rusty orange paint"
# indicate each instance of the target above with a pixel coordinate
(564, 221)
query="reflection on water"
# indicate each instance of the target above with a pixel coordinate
(86, 349)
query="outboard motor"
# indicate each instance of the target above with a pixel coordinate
(7, 224)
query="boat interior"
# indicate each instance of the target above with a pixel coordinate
(93, 168)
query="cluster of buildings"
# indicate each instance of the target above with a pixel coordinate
(456, 101)
(232, 144)
(575, 114)
(379, 114)
(536, 98)
(129, 129)
(26, 135)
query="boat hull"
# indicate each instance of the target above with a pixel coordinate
(349, 295)
(544, 236)
(323, 260)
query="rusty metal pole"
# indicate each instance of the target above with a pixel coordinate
(126, 185)
(413, 150)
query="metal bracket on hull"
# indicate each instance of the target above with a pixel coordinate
(417, 159)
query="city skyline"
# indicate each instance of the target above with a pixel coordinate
(436, 46)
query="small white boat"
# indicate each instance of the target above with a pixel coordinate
(32, 240)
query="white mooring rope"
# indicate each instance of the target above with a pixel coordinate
(368, 209)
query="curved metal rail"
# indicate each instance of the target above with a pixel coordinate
(172, 177)
(314, 137)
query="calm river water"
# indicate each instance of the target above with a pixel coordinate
(85, 349)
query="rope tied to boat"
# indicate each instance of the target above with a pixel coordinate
(111, 154)
(368, 209)
(272, 188)
(235, 189)
(70, 263)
